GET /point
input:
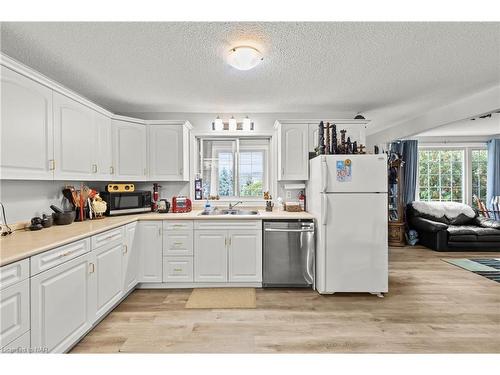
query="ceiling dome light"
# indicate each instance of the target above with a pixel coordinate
(244, 58)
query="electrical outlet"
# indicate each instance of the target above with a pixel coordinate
(288, 194)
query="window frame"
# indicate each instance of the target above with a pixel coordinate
(267, 183)
(467, 149)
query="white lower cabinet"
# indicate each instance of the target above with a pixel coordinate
(20, 345)
(151, 251)
(14, 311)
(60, 305)
(131, 258)
(245, 255)
(210, 256)
(106, 278)
(228, 255)
(178, 269)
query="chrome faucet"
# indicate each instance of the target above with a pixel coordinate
(232, 206)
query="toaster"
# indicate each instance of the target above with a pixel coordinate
(181, 204)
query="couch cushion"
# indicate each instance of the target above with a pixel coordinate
(463, 238)
(455, 230)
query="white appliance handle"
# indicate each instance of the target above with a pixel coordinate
(324, 175)
(324, 209)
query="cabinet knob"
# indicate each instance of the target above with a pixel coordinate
(125, 249)
(52, 164)
(111, 170)
(94, 168)
(92, 267)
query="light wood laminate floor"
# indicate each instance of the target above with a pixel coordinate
(432, 307)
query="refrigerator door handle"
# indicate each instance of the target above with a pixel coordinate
(324, 209)
(324, 175)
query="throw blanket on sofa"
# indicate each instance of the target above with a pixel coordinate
(439, 209)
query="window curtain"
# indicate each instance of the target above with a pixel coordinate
(493, 176)
(409, 153)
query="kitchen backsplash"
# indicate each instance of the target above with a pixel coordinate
(26, 199)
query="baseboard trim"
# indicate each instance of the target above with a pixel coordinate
(197, 285)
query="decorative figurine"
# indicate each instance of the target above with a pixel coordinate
(361, 149)
(334, 146)
(348, 146)
(321, 138)
(342, 142)
(327, 142)
(354, 147)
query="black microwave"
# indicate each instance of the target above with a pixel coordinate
(127, 202)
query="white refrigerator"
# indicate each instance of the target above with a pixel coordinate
(348, 196)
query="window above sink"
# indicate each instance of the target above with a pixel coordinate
(233, 168)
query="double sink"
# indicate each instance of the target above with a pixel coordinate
(217, 212)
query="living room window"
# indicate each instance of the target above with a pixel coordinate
(452, 173)
(234, 167)
(441, 175)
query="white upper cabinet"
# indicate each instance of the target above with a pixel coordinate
(74, 139)
(103, 156)
(129, 151)
(27, 145)
(293, 153)
(168, 152)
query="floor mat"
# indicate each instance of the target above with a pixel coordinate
(222, 298)
(486, 267)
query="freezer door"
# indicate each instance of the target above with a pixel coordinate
(368, 173)
(356, 249)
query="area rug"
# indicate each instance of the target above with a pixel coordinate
(489, 268)
(222, 298)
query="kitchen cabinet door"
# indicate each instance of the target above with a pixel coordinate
(14, 311)
(129, 151)
(293, 158)
(168, 153)
(27, 143)
(131, 257)
(60, 309)
(151, 251)
(210, 256)
(103, 157)
(245, 255)
(74, 139)
(106, 278)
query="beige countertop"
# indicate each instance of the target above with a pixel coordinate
(24, 243)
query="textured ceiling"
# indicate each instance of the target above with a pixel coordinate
(486, 126)
(388, 71)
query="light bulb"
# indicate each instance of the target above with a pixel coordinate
(232, 124)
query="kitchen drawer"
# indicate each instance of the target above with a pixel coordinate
(228, 224)
(14, 312)
(177, 225)
(105, 238)
(177, 242)
(20, 345)
(59, 255)
(177, 269)
(14, 273)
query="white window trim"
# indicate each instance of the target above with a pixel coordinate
(269, 166)
(467, 178)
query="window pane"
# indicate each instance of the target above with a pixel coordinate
(251, 173)
(217, 167)
(479, 168)
(441, 175)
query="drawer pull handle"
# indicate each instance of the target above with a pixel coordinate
(178, 269)
(65, 254)
(92, 267)
(125, 249)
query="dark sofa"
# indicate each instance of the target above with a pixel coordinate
(449, 226)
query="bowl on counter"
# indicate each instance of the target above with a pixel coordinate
(64, 218)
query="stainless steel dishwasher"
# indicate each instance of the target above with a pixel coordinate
(289, 253)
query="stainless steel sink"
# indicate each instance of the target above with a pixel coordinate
(217, 212)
